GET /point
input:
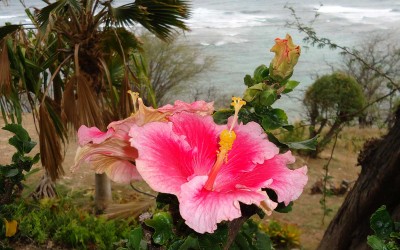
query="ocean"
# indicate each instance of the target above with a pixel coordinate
(239, 35)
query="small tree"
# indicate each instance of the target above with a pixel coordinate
(332, 100)
(376, 53)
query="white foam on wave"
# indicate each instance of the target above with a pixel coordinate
(361, 15)
(8, 16)
(218, 19)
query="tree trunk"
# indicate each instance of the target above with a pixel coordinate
(102, 195)
(378, 184)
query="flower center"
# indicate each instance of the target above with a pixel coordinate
(226, 140)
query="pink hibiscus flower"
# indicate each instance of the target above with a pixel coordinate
(211, 169)
(110, 152)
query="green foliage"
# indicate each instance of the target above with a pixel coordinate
(12, 175)
(251, 236)
(332, 100)
(386, 232)
(335, 96)
(283, 236)
(172, 234)
(64, 224)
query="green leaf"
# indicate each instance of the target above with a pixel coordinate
(274, 119)
(216, 240)
(18, 130)
(11, 172)
(162, 224)
(189, 243)
(263, 241)
(310, 144)
(248, 81)
(260, 73)
(289, 86)
(382, 223)
(135, 237)
(376, 243)
(282, 208)
(252, 92)
(268, 97)
(221, 116)
(241, 241)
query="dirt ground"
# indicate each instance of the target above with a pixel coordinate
(307, 213)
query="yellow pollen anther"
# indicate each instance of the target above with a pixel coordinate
(237, 104)
(134, 97)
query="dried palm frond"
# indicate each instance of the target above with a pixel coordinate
(131, 209)
(89, 111)
(50, 144)
(68, 105)
(5, 74)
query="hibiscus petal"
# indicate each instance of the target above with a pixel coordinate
(202, 134)
(114, 157)
(288, 184)
(93, 134)
(165, 158)
(200, 107)
(202, 209)
(250, 148)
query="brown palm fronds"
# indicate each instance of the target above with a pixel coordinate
(5, 74)
(50, 144)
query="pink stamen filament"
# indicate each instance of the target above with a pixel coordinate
(215, 169)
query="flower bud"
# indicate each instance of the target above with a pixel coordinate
(286, 56)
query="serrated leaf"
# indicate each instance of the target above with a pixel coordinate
(310, 144)
(162, 224)
(28, 146)
(381, 223)
(289, 86)
(252, 92)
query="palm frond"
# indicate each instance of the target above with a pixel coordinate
(159, 17)
(119, 40)
(5, 72)
(50, 144)
(8, 29)
(58, 7)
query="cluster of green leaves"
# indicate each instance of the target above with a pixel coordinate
(283, 236)
(12, 175)
(167, 229)
(387, 232)
(65, 225)
(261, 93)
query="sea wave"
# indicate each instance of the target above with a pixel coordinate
(218, 19)
(361, 15)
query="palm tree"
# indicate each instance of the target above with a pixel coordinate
(75, 67)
